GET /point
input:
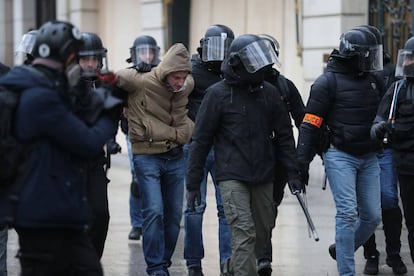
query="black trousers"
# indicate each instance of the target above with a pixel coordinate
(407, 196)
(51, 252)
(97, 193)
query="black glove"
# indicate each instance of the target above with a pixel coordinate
(143, 67)
(113, 147)
(296, 186)
(303, 172)
(135, 189)
(192, 197)
(379, 130)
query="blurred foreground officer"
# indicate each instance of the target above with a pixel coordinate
(158, 129)
(206, 71)
(25, 52)
(395, 115)
(345, 98)
(52, 212)
(244, 118)
(3, 227)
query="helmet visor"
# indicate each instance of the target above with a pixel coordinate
(370, 58)
(145, 53)
(257, 55)
(26, 44)
(405, 64)
(215, 48)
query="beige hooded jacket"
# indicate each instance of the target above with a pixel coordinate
(157, 117)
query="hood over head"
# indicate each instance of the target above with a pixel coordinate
(176, 59)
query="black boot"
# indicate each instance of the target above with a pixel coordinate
(371, 254)
(371, 266)
(398, 266)
(392, 221)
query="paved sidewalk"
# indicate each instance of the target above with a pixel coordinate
(295, 253)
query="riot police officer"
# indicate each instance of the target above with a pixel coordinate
(92, 60)
(296, 109)
(244, 118)
(395, 120)
(345, 99)
(206, 71)
(390, 208)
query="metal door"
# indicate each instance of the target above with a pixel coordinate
(394, 19)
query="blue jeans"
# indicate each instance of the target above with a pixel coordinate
(389, 182)
(193, 221)
(161, 182)
(355, 186)
(135, 203)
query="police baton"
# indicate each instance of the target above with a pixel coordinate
(325, 180)
(393, 108)
(307, 215)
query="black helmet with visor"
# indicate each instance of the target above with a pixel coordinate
(405, 60)
(253, 52)
(215, 43)
(144, 50)
(93, 47)
(363, 46)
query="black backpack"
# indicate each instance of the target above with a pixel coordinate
(11, 151)
(13, 155)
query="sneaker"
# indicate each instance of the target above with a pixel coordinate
(398, 267)
(332, 251)
(135, 234)
(264, 268)
(195, 271)
(371, 266)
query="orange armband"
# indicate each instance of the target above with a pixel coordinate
(313, 120)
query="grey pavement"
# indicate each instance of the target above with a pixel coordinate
(296, 253)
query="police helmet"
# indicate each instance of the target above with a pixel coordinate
(27, 43)
(92, 46)
(405, 60)
(275, 45)
(215, 43)
(362, 47)
(57, 40)
(379, 58)
(144, 50)
(253, 52)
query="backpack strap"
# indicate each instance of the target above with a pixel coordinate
(283, 87)
(324, 131)
(332, 84)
